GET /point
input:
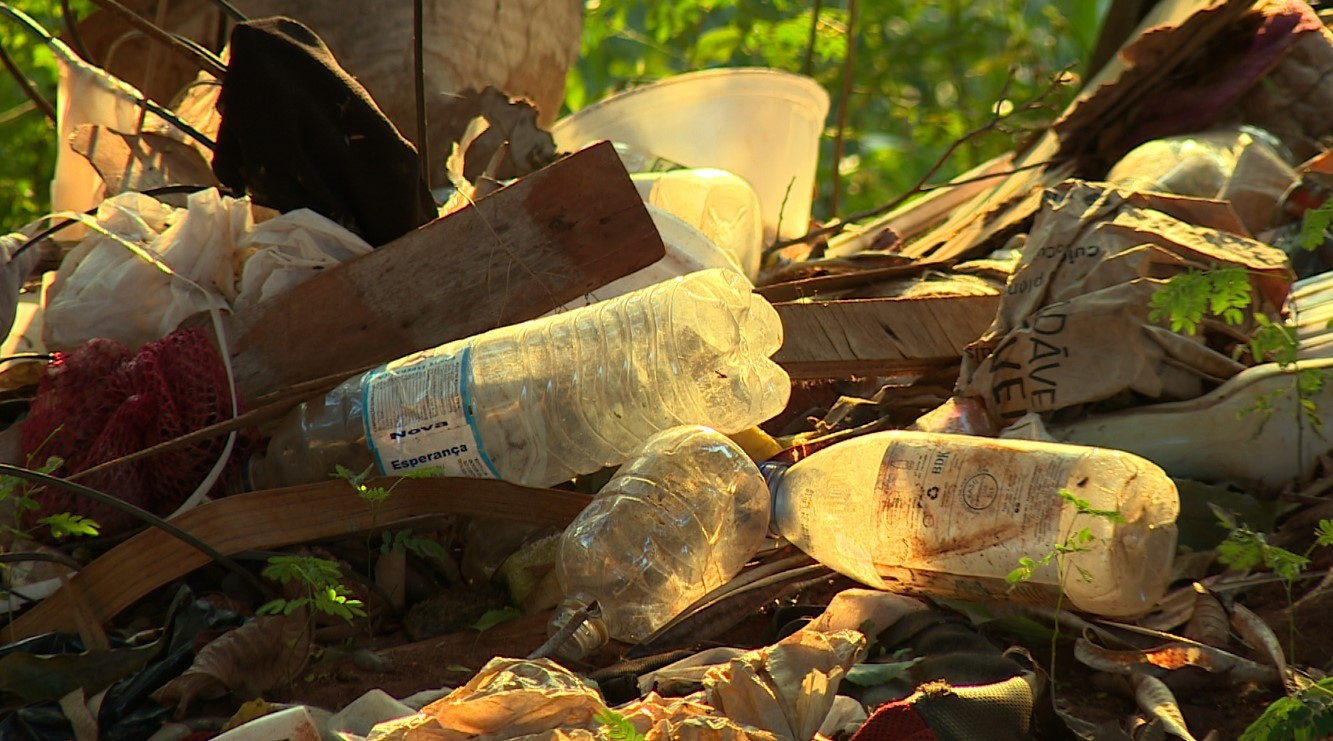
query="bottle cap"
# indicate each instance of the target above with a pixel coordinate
(773, 472)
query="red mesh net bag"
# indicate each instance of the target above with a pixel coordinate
(103, 401)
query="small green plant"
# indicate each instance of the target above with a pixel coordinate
(17, 494)
(68, 525)
(1304, 716)
(1245, 549)
(618, 727)
(1315, 225)
(1188, 297)
(376, 496)
(319, 581)
(1074, 541)
(403, 541)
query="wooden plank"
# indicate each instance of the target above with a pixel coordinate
(546, 240)
(272, 519)
(836, 339)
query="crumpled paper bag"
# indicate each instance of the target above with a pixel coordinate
(870, 611)
(787, 688)
(508, 699)
(1073, 325)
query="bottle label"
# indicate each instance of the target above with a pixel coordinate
(418, 414)
(972, 511)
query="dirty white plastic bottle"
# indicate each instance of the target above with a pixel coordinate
(677, 521)
(951, 515)
(540, 402)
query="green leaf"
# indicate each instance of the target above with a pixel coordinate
(1323, 533)
(1314, 225)
(492, 618)
(618, 727)
(66, 525)
(873, 675)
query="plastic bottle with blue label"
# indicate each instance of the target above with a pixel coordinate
(540, 402)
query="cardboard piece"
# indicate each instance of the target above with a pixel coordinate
(837, 339)
(1074, 326)
(548, 239)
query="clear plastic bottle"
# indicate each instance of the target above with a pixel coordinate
(678, 520)
(540, 402)
(951, 515)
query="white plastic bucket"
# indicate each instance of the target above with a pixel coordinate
(761, 124)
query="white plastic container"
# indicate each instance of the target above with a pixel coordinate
(688, 250)
(722, 206)
(951, 515)
(678, 520)
(761, 124)
(540, 402)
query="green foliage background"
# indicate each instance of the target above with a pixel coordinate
(926, 72)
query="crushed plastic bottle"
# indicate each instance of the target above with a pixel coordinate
(540, 402)
(677, 521)
(952, 515)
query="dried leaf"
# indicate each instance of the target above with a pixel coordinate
(1208, 623)
(1155, 698)
(266, 652)
(37, 677)
(1254, 631)
(1172, 656)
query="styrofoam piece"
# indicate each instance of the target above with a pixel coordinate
(375, 706)
(290, 724)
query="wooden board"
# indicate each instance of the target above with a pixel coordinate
(548, 239)
(837, 339)
(273, 519)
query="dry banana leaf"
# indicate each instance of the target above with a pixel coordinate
(265, 653)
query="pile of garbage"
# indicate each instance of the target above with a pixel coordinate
(604, 439)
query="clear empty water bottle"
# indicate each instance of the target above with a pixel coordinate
(677, 521)
(540, 402)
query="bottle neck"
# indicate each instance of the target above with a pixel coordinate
(589, 636)
(773, 472)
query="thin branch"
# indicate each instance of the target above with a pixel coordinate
(419, 72)
(26, 85)
(25, 557)
(921, 185)
(143, 515)
(72, 30)
(844, 101)
(46, 37)
(230, 10)
(838, 226)
(206, 61)
(809, 63)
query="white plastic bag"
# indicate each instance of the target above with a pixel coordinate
(103, 289)
(282, 252)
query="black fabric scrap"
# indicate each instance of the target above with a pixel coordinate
(297, 131)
